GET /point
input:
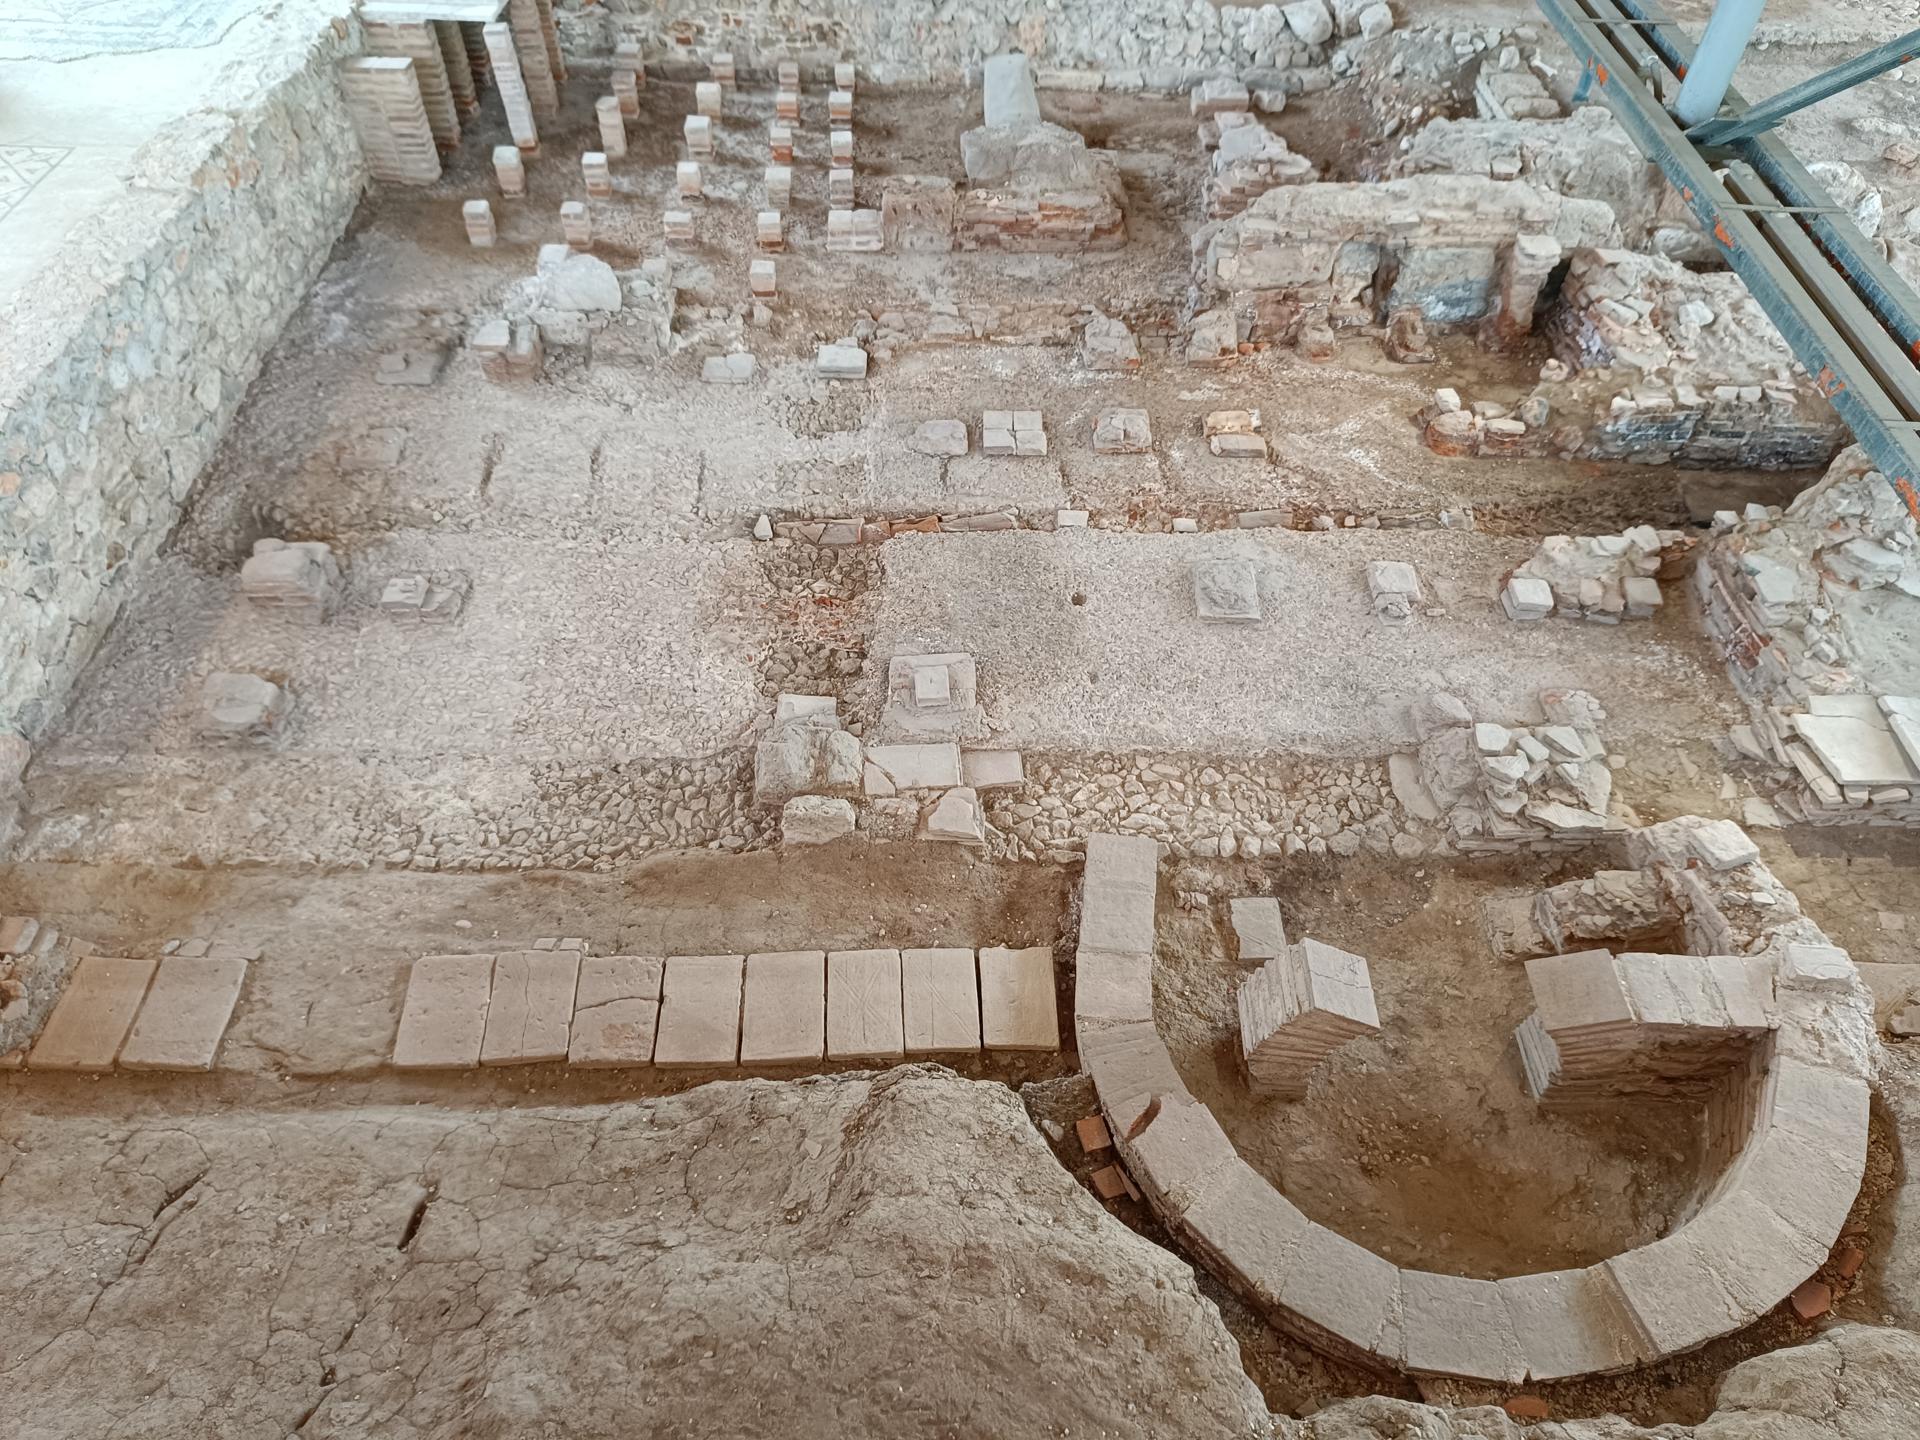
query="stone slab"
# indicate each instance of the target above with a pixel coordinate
(605, 978)
(1258, 926)
(1118, 893)
(1130, 1067)
(612, 1034)
(783, 1020)
(699, 1011)
(1856, 752)
(1018, 1010)
(864, 1016)
(93, 1014)
(1249, 1227)
(445, 1015)
(1572, 1322)
(531, 1012)
(917, 767)
(1226, 591)
(1345, 1290)
(1179, 1153)
(185, 1014)
(1108, 987)
(940, 1001)
(1457, 1326)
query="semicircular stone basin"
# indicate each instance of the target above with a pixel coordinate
(1763, 1001)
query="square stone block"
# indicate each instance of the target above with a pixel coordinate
(1226, 591)
(531, 1010)
(92, 1015)
(699, 1011)
(185, 1014)
(1018, 1010)
(864, 1016)
(940, 1001)
(784, 1019)
(445, 1015)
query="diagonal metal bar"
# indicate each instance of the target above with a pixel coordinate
(1861, 263)
(1724, 129)
(1831, 328)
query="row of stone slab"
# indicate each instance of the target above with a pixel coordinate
(777, 1009)
(1762, 1228)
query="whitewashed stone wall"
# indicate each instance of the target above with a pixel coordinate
(1156, 44)
(123, 365)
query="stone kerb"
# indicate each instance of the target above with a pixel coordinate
(1764, 1225)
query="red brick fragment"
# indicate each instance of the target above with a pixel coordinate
(1093, 1134)
(1526, 1407)
(1812, 1300)
(1109, 1182)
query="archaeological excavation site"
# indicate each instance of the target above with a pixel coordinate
(959, 720)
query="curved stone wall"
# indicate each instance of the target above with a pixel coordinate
(1791, 1119)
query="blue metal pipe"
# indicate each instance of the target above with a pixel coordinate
(1707, 78)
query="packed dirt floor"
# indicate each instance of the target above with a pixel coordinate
(306, 1242)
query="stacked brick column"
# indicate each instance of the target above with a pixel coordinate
(536, 63)
(513, 89)
(459, 67)
(416, 41)
(383, 99)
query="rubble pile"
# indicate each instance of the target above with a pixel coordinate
(1603, 578)
(1504, 788)
(1817, 608)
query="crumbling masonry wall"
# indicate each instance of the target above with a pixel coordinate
(1162, 44)
(113, 398)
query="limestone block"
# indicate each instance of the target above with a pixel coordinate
(1178, 1153)
(815, 820)
(1248, 1228)
(1112, 988)
(956, 816)
(864, 1011)
(698, 133)
(1457, 1326)
(1008, 92)
(1130, 1068)
(242, 707)
(616, 1011)
(1258, 928)
(1345, 1290)
(1018, 1010)
(784, 1016)
(530, 1013)
(1122, 431)
(92, 1015)
(709, 98)
(769, 230)
(779, 183)
(1572, 1322)
(803, 759)
(940, 1001)
(940, 437)
(444, 1018)
(576, 224)
(571, 281)
(1118, 891)
(916, 767)
(841, 362)
(1226, 591)
(699, 1011)
(992, 769)
(185, 1014)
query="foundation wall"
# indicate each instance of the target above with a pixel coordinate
(127, 359)
(1137, 43)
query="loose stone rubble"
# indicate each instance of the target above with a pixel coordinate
(1497, 787)
(1603, 578)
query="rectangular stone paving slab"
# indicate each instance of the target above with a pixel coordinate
(1017, 1006)
(864, 1018)
(700, 1011)
(1117, 894)
(93, 1013)
(445, 1016)
(531, 1012)
(1572, 1322)
(616, 1010)
(784, 1017)
(940, 1001)
(1457, 1326)
(185, 1014)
